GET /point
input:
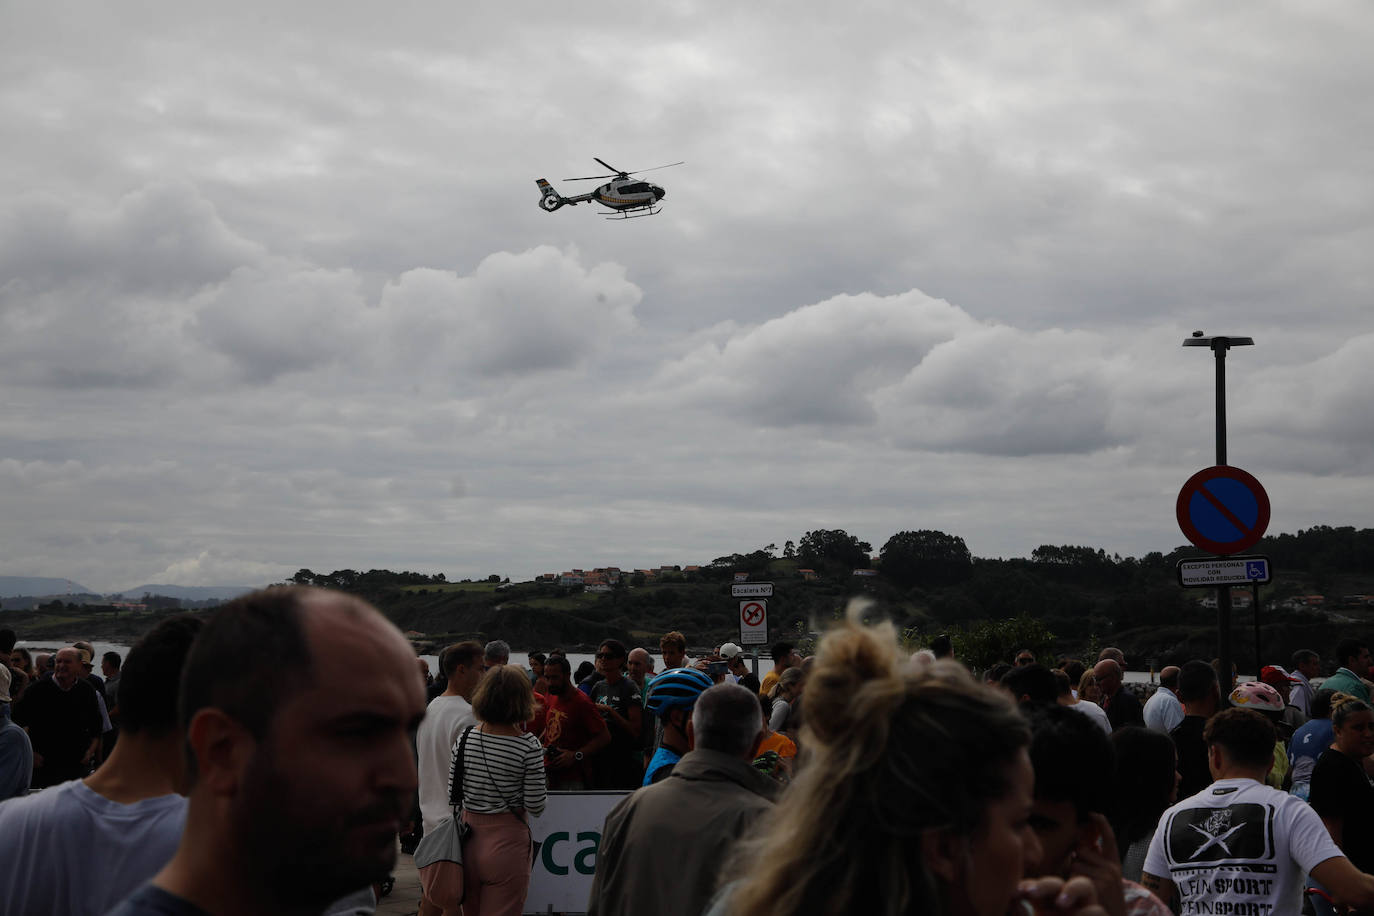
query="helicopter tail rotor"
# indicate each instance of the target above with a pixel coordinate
(550, 200)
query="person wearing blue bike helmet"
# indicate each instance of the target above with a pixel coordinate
(671, 697)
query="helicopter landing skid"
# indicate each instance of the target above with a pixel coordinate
(636, 214)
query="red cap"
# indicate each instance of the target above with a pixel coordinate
(1273, 674)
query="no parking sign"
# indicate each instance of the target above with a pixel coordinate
(1223, 509)
(753, 622)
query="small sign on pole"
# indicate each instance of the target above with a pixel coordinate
(1215, 571)
(751, 590)
(753, 622)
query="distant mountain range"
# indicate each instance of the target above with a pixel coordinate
(15, 586)
(42, 587)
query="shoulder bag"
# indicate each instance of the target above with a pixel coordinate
(439, 856)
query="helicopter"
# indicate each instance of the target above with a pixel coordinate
(630, 198)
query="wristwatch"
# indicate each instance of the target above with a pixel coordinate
(577, 755)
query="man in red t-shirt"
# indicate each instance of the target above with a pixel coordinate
(573, 729)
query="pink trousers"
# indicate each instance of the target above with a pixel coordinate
(496, 865)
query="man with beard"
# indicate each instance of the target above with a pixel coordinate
(298, 707)
(573, 729)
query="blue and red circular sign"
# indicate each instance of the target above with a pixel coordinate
(1223, 509)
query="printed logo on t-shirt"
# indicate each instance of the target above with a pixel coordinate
(1208, 835)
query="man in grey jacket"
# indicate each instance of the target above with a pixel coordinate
(680, 830)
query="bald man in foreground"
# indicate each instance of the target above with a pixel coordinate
(298, 707)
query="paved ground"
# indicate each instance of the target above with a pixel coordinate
(404, 899)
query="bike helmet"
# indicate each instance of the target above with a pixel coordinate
(677, 687)
(1258, 696)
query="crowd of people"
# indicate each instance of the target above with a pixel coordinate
(1215, 784)
(266, 757)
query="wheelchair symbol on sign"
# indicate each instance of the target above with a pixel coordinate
(1254, 570)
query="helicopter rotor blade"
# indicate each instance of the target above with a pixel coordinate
(657, 167)
(619, 174)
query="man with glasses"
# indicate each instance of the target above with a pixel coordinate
(1025, 657)
(618, 700)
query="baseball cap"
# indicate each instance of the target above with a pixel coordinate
(730, 650)
(1273, 674)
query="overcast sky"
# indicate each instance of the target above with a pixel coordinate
(275, 290)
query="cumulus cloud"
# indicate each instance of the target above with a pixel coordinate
(924, 372)
(157, 290)
(1000, 391)
(818, 364)
(162, 239)
(518, 313)
(281, 317)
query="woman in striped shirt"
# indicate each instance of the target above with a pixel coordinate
(503, 781)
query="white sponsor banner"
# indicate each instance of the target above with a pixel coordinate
(567, 837)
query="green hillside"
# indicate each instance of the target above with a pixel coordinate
(1062, 600)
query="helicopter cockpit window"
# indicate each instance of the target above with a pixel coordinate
(635, 187)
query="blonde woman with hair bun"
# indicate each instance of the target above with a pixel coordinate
(914, 799)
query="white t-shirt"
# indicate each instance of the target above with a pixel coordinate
(1163, 711)
(1239, 846)
(70, 850)
(444, 721)
(1094, 712)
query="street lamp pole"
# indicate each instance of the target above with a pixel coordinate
(1219, 345)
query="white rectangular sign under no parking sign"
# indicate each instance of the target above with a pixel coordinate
(1223, 571)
